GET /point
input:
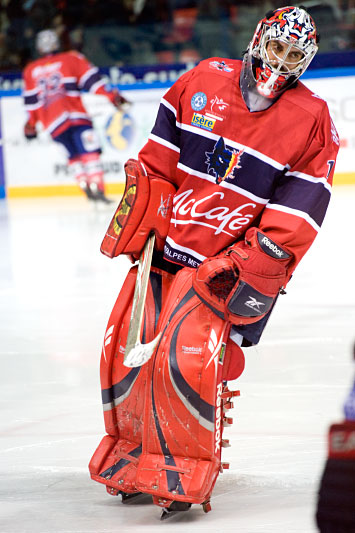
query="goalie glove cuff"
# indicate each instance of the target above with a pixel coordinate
(242, 284)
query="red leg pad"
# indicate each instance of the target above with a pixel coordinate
(183, 408)
(165, 419)
(123, 388)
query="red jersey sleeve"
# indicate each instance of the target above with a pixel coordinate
(306, 183)
(89, 77)
(30, 97)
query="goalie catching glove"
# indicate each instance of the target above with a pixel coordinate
(118, 100)
(242, 283)
(29, 131)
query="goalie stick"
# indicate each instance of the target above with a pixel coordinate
(136, 353)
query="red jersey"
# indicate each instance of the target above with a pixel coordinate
(52, 90)
(234, 168)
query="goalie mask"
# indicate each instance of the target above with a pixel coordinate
(283, 45)
(47, 42)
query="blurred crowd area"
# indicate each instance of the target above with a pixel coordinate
(148, 32)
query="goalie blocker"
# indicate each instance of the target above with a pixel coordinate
(145, 207)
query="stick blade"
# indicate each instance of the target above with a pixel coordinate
(140, 353)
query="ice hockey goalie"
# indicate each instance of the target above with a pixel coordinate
(234, 182)
(164, 420)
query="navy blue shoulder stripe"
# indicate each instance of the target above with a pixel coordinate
(94, 78)
(302, 195)
(165, 126)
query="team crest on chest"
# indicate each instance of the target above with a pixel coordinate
(223, 162)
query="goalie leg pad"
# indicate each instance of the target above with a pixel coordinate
(183, 418)
(114, 461)
(164, 419)
(145, 207)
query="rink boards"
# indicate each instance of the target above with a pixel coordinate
(38, 167)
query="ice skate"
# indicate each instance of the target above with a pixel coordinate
(98, 195)
(86, 190)
(128, 498)
(174, 509)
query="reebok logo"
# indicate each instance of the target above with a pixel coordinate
(214, 346)
(107, 340)
(165, 206)
(272, 247)
(218, 433)
(254, 304)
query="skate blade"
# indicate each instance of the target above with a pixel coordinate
(173, 510)
(126, 498)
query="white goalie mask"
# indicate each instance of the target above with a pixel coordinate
(283, 45)
(47, 42)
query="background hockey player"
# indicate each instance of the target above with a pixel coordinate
(52, 87)
(234, 181)
(336, 498)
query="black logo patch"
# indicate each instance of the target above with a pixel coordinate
(248, 302)
(270, 248)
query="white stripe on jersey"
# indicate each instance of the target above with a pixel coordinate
(31, 92)
(87, 75)
(233, 144)
(65, 116)
(223, 184)
(32, 107)
(296, 212)
(312, 179)
(97, 85)
(168, 105)
(177, 222)
(159, 140)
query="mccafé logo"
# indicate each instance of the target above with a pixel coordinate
(220, 218)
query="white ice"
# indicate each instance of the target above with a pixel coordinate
(57, 292)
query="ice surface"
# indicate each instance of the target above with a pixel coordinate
(57, 292)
